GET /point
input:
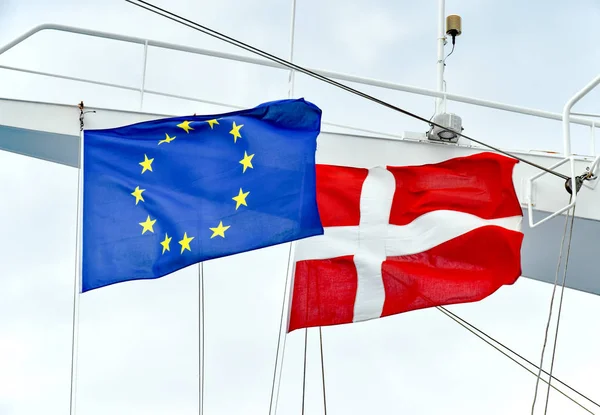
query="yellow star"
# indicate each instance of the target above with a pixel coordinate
(212, 122)
(186, 126)
(146, 164)
(247, 161)
(167, 140)
(240, 199)
(219, 230)
(185, 243)
(165, 243)
(235, 131)
(148, 225)
(138, 194)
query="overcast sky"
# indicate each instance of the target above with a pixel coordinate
(138, 341)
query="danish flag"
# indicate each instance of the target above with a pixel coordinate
(404, 238)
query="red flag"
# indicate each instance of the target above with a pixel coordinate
(404, 238)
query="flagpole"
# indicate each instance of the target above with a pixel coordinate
(77, 281)
(279, 354)
(304, 370)
(292, 31)
(283, 324)
(200, 338)
(441, 41)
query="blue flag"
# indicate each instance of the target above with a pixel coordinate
(161, 195)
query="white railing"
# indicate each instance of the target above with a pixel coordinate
(262, 62)
(566, 117)
(566, 124)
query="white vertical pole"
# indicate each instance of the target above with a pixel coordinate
(593, 143)
(283, 323)
(292, 32)
(290, 267)
(200, 338)
(77, 280)
(441, 40)
(283, 326)
(566, 119)
(143, 74)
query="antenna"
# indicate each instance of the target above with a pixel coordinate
(452, 123)
(453, 26)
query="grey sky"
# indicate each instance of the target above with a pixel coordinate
(138, 341)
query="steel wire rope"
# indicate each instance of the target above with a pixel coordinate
(323, 371)
(562, 293)
(481, 334)
(273, 405)
(211, 32)
(562, 243)
(457, 320)
(194, 25)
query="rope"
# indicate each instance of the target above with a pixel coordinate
(81, 113)
(76, 288)
(287, 277)
(551, 306)
(304, 371)
(473, 330)
(480, 334)
(562, 293)
(322, 370)
(292, 33)
(196, 26)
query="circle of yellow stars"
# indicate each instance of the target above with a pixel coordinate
(240, 198)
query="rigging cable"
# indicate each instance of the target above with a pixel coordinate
(562, 243)
(322, 370)
(562, 293)
(76, 289)
(474, 331)
(196, 26)
(304, 372)
(291, 250)
(78, 251)
(481, 334)
(279, 343)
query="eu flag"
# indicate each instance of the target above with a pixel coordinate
(161, 195)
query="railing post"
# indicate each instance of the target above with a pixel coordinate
(441, 41)
(292, 33)
(593, 138)
(567, 113)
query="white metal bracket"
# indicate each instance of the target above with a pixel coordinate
(530, 201)
(593, 169)
(566, 122)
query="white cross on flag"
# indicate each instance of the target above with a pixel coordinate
(404, 238)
